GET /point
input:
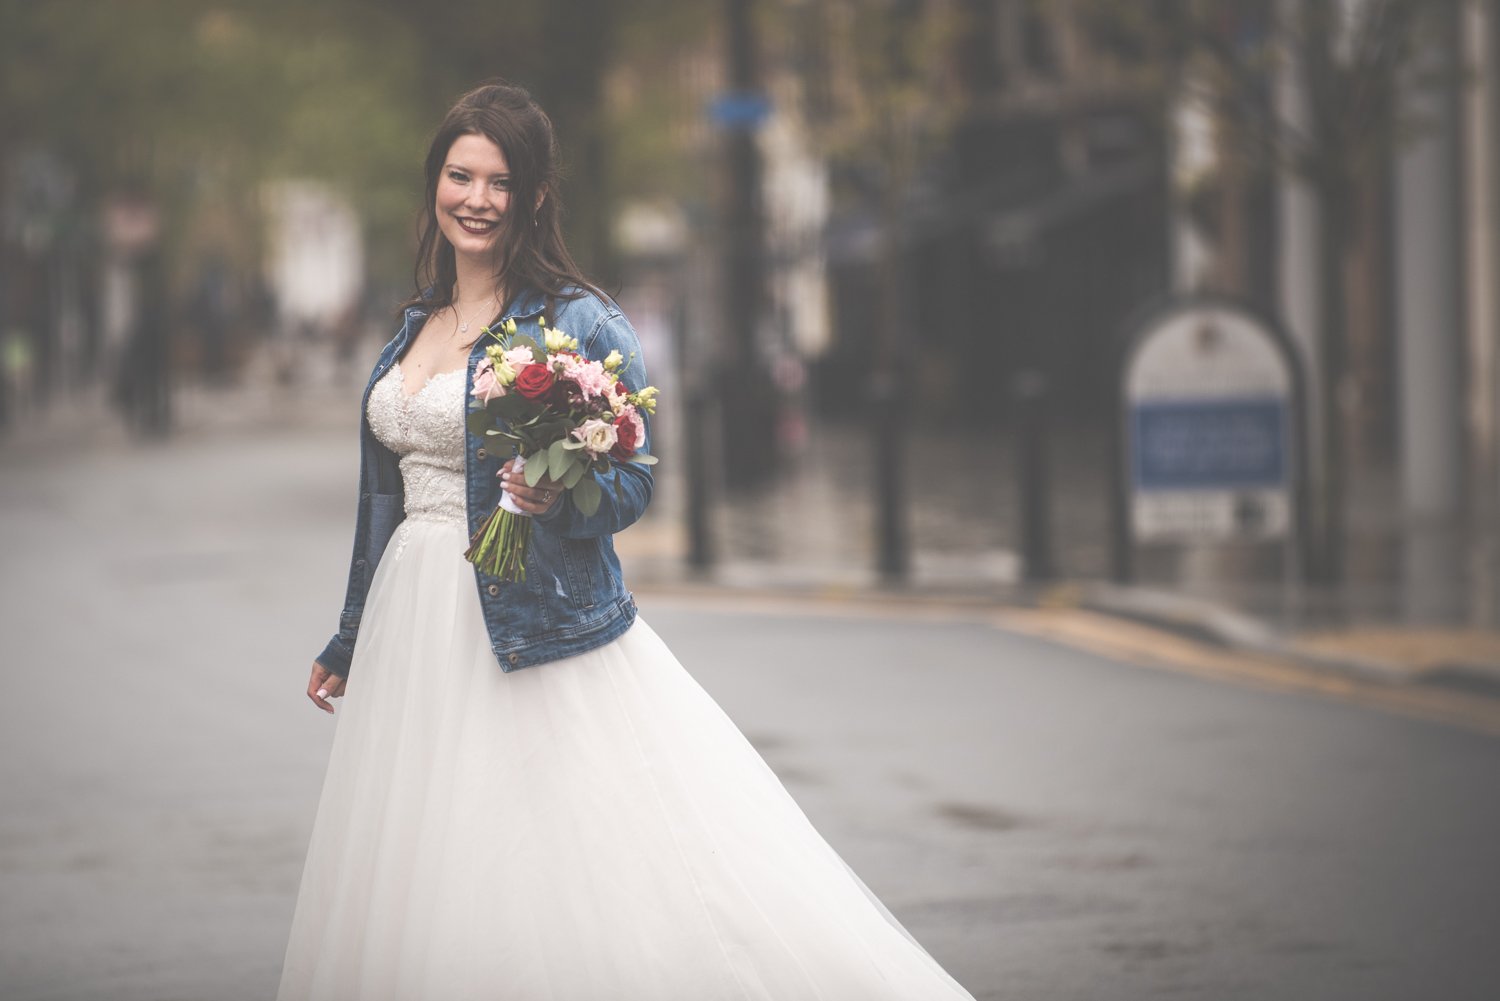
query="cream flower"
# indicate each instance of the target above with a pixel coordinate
(556, 340)
(598, 436)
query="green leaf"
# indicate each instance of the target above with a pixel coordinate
(574, 474)
(513, 407)
(479, 422)
(586, 495)
(536, 468)
(538, 353)
(558, 460)
(643, 459)
(557, 427)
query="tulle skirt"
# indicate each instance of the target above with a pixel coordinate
(590, 829)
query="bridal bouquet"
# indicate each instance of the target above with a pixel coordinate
(568, 416)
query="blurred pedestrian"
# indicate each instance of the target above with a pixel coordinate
(528, 797)
(213, 314)
(17, 375)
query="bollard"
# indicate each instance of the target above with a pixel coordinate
(1029, 390)
(697, 414)
(700, 541)
(893, 559)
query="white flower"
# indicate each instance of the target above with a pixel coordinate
(598, 436)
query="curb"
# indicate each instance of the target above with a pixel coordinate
(1197, 619)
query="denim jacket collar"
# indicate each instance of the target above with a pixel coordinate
(526, 305)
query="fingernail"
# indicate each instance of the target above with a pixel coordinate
(322, 693)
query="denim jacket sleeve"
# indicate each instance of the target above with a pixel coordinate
(626, 488)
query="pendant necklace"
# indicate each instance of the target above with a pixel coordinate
(463, 327)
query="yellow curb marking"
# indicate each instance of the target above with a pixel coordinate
(1148, 647)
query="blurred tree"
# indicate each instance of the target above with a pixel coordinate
(199, 103)
(880, 91)
(1347, 59)
(197, 96)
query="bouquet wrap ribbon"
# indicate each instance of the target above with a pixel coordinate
(518, 465)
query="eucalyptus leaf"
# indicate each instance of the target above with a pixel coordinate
(643, 459)
(538, 354)
(558, 460)
(511, 407)
(536, 468)
(479, 422)
(586, 495)
(574, 474)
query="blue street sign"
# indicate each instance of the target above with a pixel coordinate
(1221, 444)
(740, 109)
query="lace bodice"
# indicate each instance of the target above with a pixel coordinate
(426, 429)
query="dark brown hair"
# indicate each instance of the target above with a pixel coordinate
(530, 254)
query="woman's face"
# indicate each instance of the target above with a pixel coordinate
(473, 193)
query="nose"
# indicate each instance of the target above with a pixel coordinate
(476, 198)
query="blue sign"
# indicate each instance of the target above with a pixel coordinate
(740, 109)
(1222, 444)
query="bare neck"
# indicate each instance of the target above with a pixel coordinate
(476, 285)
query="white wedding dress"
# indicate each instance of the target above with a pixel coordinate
(589, 829)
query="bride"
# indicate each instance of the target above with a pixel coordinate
(528, 798)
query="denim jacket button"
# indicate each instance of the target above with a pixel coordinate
(493, 589)
(514, 658)
(481, 454)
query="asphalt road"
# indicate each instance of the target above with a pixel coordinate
(1052, 824)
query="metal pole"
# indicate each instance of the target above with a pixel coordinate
(1030, 393)
(893, 559)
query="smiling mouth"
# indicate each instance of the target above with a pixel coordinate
(478, 227)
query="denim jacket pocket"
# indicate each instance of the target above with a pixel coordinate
(565, 571)
(581, 561)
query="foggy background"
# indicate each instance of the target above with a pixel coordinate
(891, 263)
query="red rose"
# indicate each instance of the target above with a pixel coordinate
(534, 381)
(627, 437)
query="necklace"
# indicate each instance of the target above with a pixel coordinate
(463, 327)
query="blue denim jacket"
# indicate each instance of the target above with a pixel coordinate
(573, 598)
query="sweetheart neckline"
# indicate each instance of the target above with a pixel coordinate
(401, 379)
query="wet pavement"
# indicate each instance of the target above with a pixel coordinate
(1055, 812)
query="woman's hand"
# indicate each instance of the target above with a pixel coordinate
(324, 685)
(533, 500)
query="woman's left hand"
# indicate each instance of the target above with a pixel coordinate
(533, 500)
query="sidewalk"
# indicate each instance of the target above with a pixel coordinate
(806, 541)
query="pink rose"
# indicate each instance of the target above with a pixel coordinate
(486, 386)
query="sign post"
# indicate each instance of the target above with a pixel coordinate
(1211, 446)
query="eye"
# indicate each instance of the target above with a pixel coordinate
(501, 184)
(458, 177)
